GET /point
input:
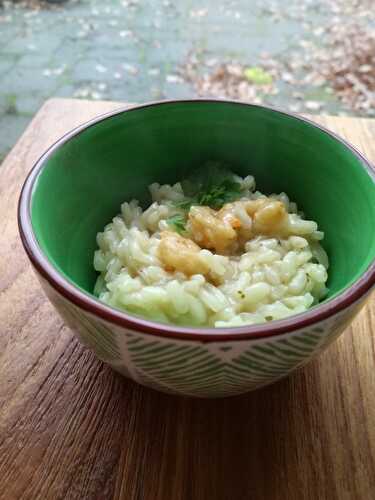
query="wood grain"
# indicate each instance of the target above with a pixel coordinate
(70, 428)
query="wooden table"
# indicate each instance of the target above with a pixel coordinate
(70, 428)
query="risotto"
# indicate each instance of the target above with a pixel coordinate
(211, 251)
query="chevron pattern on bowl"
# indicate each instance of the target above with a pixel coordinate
(191, 368)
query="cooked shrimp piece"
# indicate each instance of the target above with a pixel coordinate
(270, 218)
(210, 231)
(230, 218)
(228, 229)
(181, 254)
(235, 223)
(235, 213)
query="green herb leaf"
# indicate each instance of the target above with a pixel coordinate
(212, 186)
(185, 204)
(218, 195)
(177, 223)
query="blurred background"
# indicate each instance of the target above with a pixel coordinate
(306, 56)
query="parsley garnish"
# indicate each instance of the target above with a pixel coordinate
(177, 222)
(218, 195)
(212, 186)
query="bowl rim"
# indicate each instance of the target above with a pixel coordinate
(120, 318)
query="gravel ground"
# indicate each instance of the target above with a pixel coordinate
(314, 55)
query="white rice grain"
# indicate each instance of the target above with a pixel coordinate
(272, 279)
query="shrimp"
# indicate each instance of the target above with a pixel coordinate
(240, 220)
(211, 231)
(227, 229)
(270, 217)
(181, 254)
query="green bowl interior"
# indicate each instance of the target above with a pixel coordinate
(85, 180)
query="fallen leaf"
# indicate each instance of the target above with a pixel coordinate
(258, 76)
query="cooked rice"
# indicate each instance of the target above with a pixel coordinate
(272, 279)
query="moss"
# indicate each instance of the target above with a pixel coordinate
(11, 104)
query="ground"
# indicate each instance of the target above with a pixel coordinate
(141, 50)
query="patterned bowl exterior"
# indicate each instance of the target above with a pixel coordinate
(195, 368)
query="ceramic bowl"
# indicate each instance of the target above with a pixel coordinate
(77, 187)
